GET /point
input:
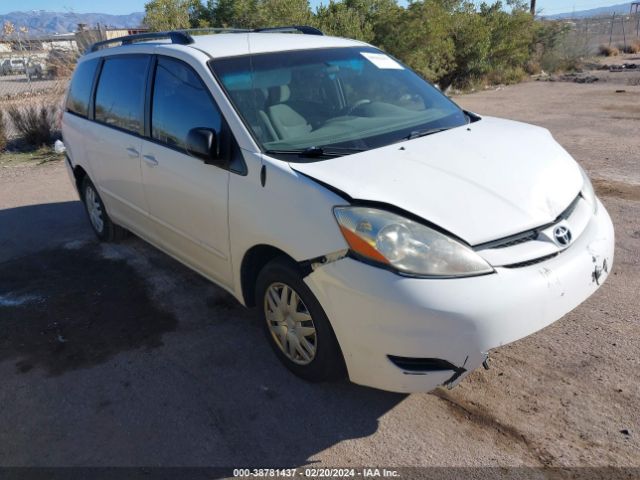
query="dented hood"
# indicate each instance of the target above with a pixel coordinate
(483, 181)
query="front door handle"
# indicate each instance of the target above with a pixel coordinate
(133, 153)
(150, 160)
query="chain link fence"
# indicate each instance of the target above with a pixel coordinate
(34, 72)
(616, 30)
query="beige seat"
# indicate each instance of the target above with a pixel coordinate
(285, 120)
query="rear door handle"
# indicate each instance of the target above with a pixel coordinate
(133, 153)
(150, 160)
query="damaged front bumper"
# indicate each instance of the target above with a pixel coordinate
(378, 316)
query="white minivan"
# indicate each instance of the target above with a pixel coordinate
(382, 232)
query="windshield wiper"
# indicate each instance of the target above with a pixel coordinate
(318, 151)
(424, 133)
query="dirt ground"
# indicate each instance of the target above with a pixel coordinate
(119, 356)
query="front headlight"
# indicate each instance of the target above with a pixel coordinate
(407, 246)
(587, 191)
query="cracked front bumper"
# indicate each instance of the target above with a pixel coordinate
(376, 313)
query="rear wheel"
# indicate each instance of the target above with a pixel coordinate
(295, 323)
(104, 228)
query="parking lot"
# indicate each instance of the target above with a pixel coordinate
(116, 355)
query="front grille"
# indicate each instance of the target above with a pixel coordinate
(511, 241)
(528, 263)
(529, 235)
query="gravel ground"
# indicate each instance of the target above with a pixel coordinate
(119, 356)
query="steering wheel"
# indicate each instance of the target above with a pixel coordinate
(359, 103)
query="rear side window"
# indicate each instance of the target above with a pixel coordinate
(180, 102)
(80, 89)
(120, 93)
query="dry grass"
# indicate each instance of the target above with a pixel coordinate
(632, 48)
(507, 76)
(3, 132)
(533, 67)
(36, 157)
(609, 51)
(36, 125)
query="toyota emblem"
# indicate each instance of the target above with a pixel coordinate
(562, 235)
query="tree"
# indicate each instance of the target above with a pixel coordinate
(234, 13)
(273, 13)
(163, 15)
(421, 37)
(339, 20)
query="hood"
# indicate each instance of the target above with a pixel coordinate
(481, 182)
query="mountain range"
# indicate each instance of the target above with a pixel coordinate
(40, 22)
(621, 8)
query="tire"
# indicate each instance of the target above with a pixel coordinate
(326, 363)
(103, 227)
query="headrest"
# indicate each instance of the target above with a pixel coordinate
(279, 94)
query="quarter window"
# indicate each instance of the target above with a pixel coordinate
(180, 102)
(80, 90)
(120, 94)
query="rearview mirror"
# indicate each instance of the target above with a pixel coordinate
(203, 143)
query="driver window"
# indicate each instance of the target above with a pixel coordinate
(180, 102)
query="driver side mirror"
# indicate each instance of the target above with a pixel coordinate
(203, 143)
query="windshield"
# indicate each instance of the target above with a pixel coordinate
(334, 99)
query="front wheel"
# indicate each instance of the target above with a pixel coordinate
(295, 323)
(103, 227)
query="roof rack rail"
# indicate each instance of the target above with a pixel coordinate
(307, 30)
(206, 30)
(183, 37)
(178, 37)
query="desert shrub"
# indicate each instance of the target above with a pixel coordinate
(609, 51)
(161, 15)
(3, 132)
(450, 42)
(506, 76)
(533, 67)
(366, 20)
(421, 39)
(512, 34)
(336, 19)
(35, 124)
(61, 63)
(472, 38)
(284, 12)
(631, 48)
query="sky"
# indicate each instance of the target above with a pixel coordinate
(128, 6)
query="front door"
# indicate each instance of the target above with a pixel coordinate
(187, 198)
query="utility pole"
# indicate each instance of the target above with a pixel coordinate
(533, 7)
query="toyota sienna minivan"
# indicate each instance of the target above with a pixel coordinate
(382, 232)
